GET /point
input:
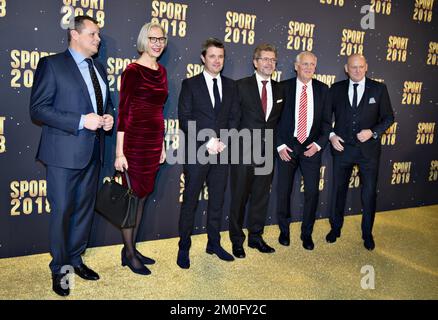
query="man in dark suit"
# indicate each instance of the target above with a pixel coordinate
(261, 102)
(70, 98)
(362, 111)
(303, 132)
(209, 102)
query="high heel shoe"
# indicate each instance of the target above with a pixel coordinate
(142, 270)
(143, 259)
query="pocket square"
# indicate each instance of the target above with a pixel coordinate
(280, 100)
(372, 100)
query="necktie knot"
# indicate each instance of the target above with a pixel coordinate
(355, 85)
(264, 82)
(304, 87)
(90, 62)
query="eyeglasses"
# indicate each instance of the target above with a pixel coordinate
(155, 39)
(265, 60)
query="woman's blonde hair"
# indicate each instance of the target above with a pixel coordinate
(143, 36)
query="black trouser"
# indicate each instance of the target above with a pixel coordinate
(310, 169)
(195, 175)
(245, 184)
(368, 170)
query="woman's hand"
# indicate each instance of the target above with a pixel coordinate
(163, 154)
(121, 163)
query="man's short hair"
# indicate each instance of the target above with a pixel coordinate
(263, 47)
(211, 42)
(79, 25)
(305, 53)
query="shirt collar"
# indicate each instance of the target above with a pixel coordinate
(210, 77)
(260, 79)
(300, 83)
(77, 57)
(361, 82)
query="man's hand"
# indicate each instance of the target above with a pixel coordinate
(364, 135)
(220, 146)
(108, 122)
(214, 146)
(311, 150)
(93, 121)
(336, 143)
(284, 154)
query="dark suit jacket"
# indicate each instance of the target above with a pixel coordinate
(376, 116)
(59, 97)
(321, 126)
(251, 111)
(195, 105)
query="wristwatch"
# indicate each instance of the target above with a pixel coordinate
(375, 135)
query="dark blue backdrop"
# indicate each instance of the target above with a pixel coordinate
(409, 163)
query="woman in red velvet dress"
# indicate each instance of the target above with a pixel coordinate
(140, 130)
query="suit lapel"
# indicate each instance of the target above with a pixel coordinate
(204, 90)
(366, 93)
(344, 96)
(224, 95)
(71, 66)
(291, 96)
(103, 76)
(275, 96)
(254, 92)
(316, 109)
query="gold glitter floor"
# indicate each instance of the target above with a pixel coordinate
(405, 262)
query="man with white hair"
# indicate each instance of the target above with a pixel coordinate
(303, 131)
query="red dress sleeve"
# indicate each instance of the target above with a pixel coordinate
(127, 87)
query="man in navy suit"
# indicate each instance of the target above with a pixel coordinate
(208, 100)
(362, 111)
(70, 98)
(303, 132)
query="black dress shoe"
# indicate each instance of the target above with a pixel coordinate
(220, 252)
(58, 287)
(183, 259)
(143, 259)
(86, 273)
(141, 270)
(284, 239)
(332, 236)
(239, 252)
(369, 244)
(308, 243)
(262, 246)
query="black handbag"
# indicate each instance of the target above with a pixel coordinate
(117, 204)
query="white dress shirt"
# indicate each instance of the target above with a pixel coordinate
(360, 90)
(268, 91)
(310, 110)
(209, 80)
